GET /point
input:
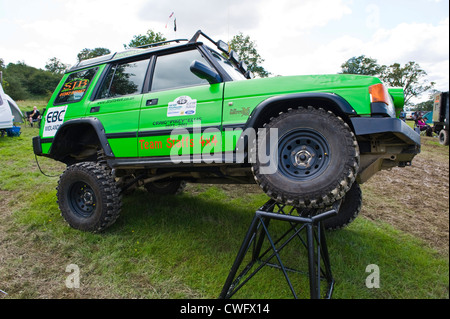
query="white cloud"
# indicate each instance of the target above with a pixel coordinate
(71, 27)
(425, 44)
(215, 18)
(284, 29)
(409, 41)
(290, 34)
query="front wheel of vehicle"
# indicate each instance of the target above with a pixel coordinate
(88, 197)
(314, 162)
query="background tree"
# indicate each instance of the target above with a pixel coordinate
(55, 66)
(14, 88)
(92, 53)
(362, 65)
(411, 77)
(2, 66)
(16, 76)
(424, 106)
(144, 39)
(43, 83)
(246, 49)
(21, 81)
(427, 105)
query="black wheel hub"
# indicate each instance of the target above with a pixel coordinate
(82, 199)
(303, 154)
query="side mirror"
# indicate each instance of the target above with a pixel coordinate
(205, 72)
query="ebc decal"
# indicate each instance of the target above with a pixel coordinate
(53, 120)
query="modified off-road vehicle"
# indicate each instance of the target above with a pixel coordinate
(181, 111)
(441, 117)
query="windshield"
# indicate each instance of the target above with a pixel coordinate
(233, 72)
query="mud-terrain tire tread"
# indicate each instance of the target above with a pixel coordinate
(348, 211)
(444, 137)
(107, 191)
(342, 182)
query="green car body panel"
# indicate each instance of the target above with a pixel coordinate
(222, 104)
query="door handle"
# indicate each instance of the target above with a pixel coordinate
(151, 102)
(95, 109)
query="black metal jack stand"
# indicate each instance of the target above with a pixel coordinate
(301, 221)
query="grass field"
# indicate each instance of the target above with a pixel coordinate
(183, 246)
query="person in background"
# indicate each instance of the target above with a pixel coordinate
(423, 126)
(34, 116)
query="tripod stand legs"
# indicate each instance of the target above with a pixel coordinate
(258, 232)
(314, 261)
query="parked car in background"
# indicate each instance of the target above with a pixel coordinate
(409, 115)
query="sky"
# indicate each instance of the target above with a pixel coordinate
(294, 37)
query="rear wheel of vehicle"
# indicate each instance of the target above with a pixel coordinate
(166, 188)
(443, 137)
(316, 158)
(350, 207)
(88, 197)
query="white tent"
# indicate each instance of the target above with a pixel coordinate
(9, 111)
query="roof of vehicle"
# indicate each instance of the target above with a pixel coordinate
(165, 45)
(154, 47)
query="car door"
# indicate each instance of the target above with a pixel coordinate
(118, 102)
(181, 114)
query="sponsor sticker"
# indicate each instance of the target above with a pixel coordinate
(183, 105)
(53, 120)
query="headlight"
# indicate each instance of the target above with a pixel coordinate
(380, 101)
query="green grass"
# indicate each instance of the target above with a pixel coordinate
(183, 246)
(27, 105)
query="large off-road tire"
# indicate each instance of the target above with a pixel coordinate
(348, 211)
(317, 158)
(88, 197)
(166, 188)
(443, 137)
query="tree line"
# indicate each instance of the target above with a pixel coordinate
(411, 77)
(21, 81)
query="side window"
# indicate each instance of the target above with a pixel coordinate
(75, 86)
(124, 79)
(173, 71)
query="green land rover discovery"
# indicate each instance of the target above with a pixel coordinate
(182, 111)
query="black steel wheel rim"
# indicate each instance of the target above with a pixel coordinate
(82, 199)
(303, 154)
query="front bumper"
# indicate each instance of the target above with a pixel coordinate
(37, 147)
(367, 126)
(384, 142)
